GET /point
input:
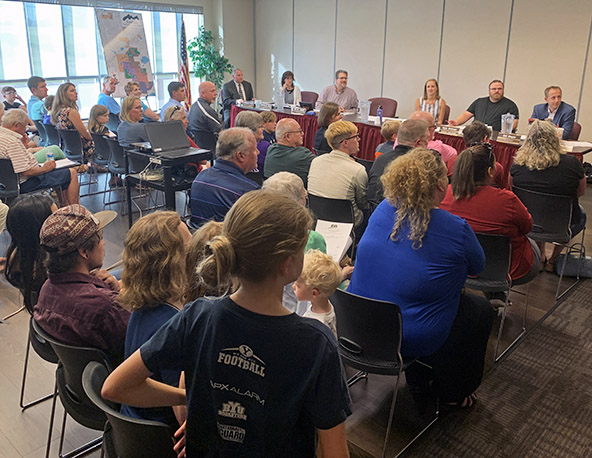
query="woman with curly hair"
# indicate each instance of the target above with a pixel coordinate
(541, 166)
(418, 256)
(153, 285)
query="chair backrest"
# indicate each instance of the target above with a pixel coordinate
(72, 144)
(446, 114)
(41, 346)
(551, 215)
(389, 106)
(117, 160)
(498, 255)
(137, 163)
(131, 437)
(72, 361)
(367, 164)
(114, 122)
(52, 135)
(41, 131)
(369, 332)
(9, 181)
(574, 135)
(310, 97)
(102, 150)
(337, 210)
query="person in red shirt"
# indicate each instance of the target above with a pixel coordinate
(491, 210)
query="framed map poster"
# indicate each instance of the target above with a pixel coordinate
(125, 49)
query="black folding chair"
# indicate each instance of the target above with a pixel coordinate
(52, 134)
(495, 276)
(41, 133)
(128, 437)
(72, 361)
(551, 216)
(335, 210)
(9, 180)
(72, 144)
(367, 164)
(369, 335)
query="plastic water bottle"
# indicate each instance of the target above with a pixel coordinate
(379, 114)
(49, 156)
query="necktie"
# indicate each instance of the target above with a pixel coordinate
(242, 91)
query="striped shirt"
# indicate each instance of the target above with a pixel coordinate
(431, 108)
(11, 147)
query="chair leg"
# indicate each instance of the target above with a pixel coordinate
(391, 413)
(51, 418)
(23, 381)
(83, 450)
(580, 249)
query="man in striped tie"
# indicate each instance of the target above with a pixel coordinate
(236, 91)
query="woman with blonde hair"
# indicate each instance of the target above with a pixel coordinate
(431, 101)
(133, 88)
(65, 116)
(260, 380)
(153, 284)
(540, 165)
(418, 256)
(131, 130)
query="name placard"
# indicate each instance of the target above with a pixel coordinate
(513, 139)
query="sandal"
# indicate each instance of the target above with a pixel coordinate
(466, 403)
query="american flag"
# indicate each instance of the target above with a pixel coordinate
(184, 67)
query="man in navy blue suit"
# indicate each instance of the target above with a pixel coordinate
(561, 113)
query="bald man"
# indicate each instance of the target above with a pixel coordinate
(288, 154)
(448, 152)
(204, 122)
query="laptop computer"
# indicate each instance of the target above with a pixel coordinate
(169, 140)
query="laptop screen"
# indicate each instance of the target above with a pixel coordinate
(166, 136)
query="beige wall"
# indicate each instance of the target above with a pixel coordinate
(463, 43)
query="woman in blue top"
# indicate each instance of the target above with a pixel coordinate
(153, 287)
(418, 256)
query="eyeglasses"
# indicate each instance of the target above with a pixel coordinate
(357, 136)
(296, 132)
(436, 154)
(488, 147)
(176, 108)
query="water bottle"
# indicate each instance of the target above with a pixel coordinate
(49, 156)
(379, 114)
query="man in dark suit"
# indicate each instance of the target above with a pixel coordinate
(562, 114)
(234, 91)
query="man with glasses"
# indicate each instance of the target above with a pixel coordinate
(288, 154)
(339, 93)
(489, 110)
(413, 133)
(448, 152)
(337, 175)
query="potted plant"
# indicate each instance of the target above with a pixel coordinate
(209, 64)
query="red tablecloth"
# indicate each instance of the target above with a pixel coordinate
(370, 136)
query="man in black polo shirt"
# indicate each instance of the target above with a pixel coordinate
(489, 110)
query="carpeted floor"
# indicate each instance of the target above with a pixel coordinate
(537, 402)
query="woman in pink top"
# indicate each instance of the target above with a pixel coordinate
(491, 210)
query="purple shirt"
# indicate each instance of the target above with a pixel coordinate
(79, 309)
(348, 99)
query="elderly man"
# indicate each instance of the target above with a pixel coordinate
(237, 90)
(489, 110)
(413, 133)
(288, 154)
(106, 99)
(38, 88)
(32, 175)
(337, 175)
(178, 95)
(560, 113)
(204, 122)
(448, 152)
(216, 189)
(75, 306)
(339, 93)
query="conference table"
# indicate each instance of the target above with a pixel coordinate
(370, 138)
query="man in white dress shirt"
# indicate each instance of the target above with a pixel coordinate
(236, 91)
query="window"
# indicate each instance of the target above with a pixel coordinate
(62, 43)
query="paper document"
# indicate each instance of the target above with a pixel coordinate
(337, 237)
(65, 163)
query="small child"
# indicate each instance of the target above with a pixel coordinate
(389, 131)
(320, 277)
(47, 104)
(10, 99)
(98, 119)
(269, 122)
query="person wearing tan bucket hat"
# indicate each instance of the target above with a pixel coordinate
(77, 307)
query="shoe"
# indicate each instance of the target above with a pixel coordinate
(115, 182)
(543, 265)
(99, 168)
(550, 267)
(449, 407)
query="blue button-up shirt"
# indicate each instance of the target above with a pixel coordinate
(36, 108)
(216, 189)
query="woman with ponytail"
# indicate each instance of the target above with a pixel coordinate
(260, 380)
(492, 211)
